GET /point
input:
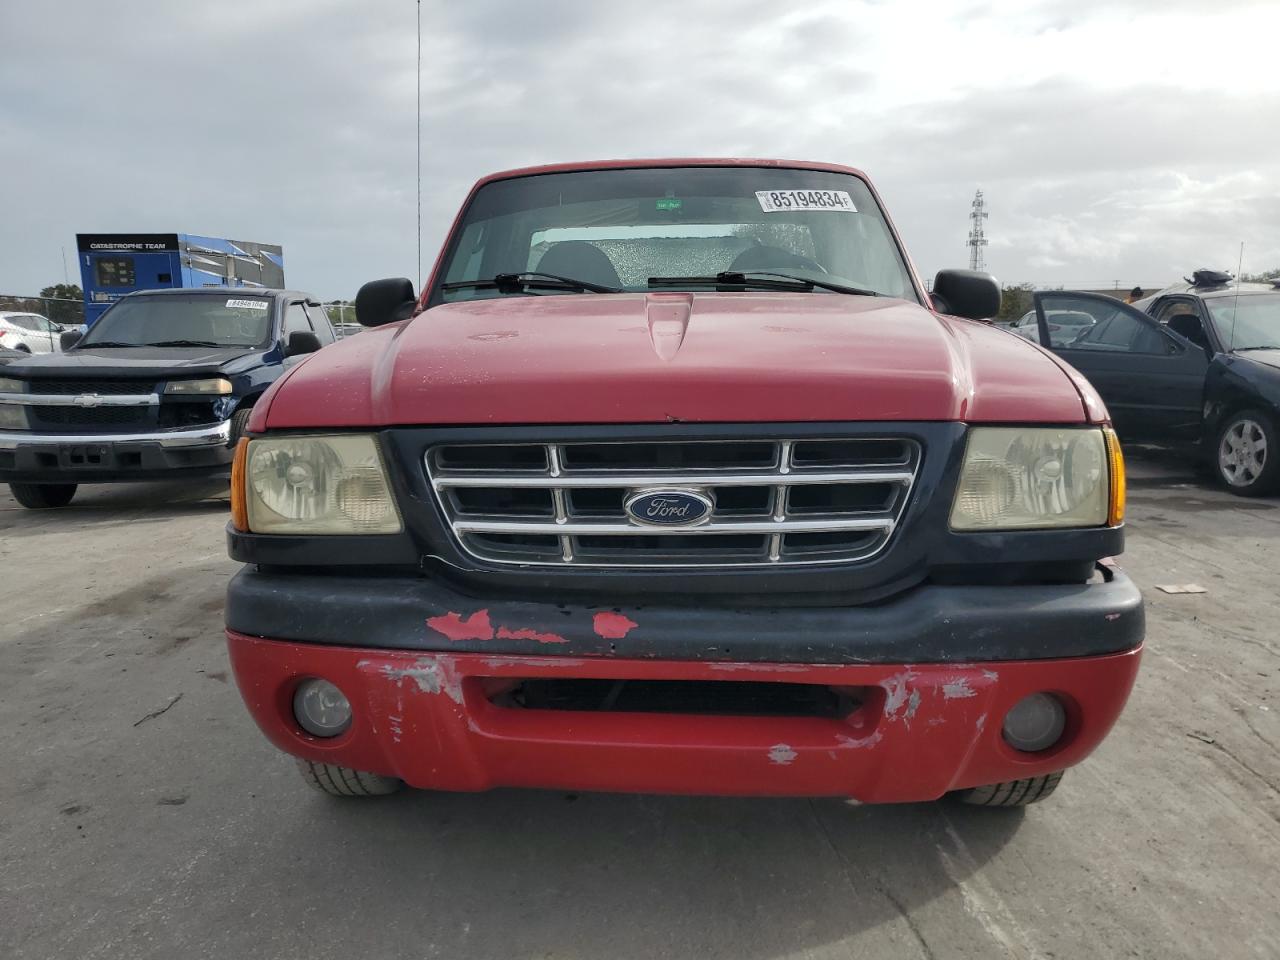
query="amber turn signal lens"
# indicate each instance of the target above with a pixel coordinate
(1115, 461)
(239, 505)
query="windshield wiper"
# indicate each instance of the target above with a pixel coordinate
(103, 343)
(530, 280)
(1264, 346)
(761, 280)
(184, 343)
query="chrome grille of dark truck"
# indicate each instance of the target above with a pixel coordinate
(777, 501)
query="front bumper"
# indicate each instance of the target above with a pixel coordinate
(920, 731)
(927, 624)
(30, 457)
(933, 673)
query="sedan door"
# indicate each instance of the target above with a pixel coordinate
(1151, 379)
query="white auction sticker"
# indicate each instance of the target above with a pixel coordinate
(777, 201)
(247, 304)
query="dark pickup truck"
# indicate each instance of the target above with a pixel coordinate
(160, 386)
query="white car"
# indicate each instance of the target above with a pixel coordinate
(29, 333)
(1064, 326)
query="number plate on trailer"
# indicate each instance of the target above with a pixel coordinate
(778, 201)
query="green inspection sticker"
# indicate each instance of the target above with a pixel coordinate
(667, 203)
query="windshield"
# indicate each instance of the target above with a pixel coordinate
(233, 320)
(619, 228)
(1247, 322)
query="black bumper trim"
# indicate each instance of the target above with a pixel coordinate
(108, 460)
(929, 624)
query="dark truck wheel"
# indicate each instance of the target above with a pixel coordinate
(1247, 454)
(345, 782)
(41, 496)
(1011, 793)
(239, 423)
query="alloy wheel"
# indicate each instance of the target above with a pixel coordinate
(1242, 455)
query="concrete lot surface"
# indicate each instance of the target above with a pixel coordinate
(142, 815)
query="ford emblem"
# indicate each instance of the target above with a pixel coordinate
(669, 508)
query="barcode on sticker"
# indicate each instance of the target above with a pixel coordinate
(247, 304)
(777, 201)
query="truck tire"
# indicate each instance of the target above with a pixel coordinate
(41, 496)
(345, 782)
(1011, 793)
(1246, 454)
(239, 423)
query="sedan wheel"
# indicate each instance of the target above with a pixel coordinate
(1245, 456)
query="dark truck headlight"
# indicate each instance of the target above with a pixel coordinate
(209, 386)
(313, 485)
(1028, 478)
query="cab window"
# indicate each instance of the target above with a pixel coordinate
(295, 321)
(320, 322)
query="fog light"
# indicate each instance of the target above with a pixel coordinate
(321, 708)
(1035, 723)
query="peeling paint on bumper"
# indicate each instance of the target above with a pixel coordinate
(922, 731)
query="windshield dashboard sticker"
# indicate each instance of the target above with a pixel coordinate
(247, 304)
(785, 201)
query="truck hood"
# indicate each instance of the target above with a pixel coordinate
(138, 361)
(675, 357)
(1269, 358)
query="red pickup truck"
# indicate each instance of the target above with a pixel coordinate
(675, 479)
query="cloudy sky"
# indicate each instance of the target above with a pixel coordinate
(1115, 141)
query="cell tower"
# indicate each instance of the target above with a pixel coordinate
(977, 239)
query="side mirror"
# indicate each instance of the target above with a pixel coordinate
(301, 341)
(385, 301)
(69, 338)
(966, 293)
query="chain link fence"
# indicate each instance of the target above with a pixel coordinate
(58, 309)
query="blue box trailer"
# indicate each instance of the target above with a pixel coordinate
(114, 264)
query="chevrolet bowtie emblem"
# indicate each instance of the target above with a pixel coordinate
(87, 400)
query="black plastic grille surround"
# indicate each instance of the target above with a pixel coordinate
(87, 385)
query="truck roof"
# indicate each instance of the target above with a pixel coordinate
(224, 291)
(666, 162)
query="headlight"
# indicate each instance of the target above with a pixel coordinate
(1036, 477)
(216, 385)
(10, 385)
(13, 416)
(333, 485)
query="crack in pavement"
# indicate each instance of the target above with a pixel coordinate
(155, 713)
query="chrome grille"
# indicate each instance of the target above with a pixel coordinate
(777, 501)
